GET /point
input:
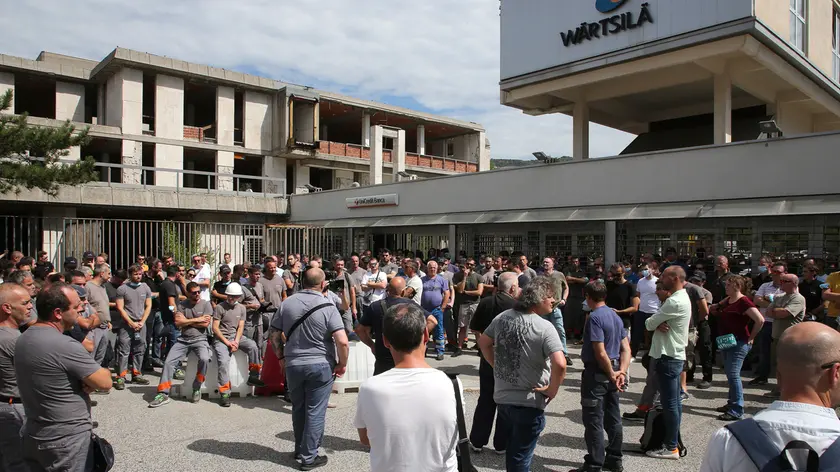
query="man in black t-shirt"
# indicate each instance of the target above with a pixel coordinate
(621, 295)
(809, 287)
(217, 294)
(573, 314)
(169, 297)
(154, 324)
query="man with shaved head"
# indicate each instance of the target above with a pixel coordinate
(369, 328)
(809, 382)
(434, 298)
(15, 305)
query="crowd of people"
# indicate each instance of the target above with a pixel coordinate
(105, 327)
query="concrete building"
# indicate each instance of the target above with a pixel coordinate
(693, 80)
(184, 141)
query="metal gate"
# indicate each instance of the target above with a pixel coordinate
(305, 239)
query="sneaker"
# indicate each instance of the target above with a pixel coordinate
(196, 396)
(157, 363)
(254, 381)
(569, 361)
(100, 392)
(94, 403)
(94, 424)
(160, 400)
(722, 409)
(637, 415)
(684, 396)
(704, 385)
(664, 454)
(451, 348)
(439, 357)
(476, 450)
(458, 352)
(179, 374)
(120, 384)
(618, 467)
(319, 461)
(728, 417)
(758, 381)
(499, 452)
(140, 380)
(225, 400)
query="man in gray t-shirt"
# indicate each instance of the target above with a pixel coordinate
(134, 303)
(15, 305)
(273, 284)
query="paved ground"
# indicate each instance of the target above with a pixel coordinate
(255, 434)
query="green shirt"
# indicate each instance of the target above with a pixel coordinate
(676, 311)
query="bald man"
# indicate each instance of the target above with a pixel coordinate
(809, 382)
(369, 328)
(15, 305)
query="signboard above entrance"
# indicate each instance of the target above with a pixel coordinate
(391, 199)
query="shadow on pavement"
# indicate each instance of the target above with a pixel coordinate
(539, 464)
(241, 451)
(148, 391)
(330, 443)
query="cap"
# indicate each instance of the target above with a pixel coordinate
(70, 260)
(80, 290)
(698, 275)
(224, 269)
(88, 255)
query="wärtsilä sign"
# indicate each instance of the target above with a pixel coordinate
(613, 25)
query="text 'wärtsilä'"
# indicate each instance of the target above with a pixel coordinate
(612, 25)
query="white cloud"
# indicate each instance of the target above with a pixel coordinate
(442, 53)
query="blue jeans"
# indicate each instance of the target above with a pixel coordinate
(154, 330)
(524, 427)
(309, 387)
(556, 318)
(438, 334)
(171, 333)
(765, 346)
(668, 372)
(733, 360)
(599, 400)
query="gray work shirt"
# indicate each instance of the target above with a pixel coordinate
(50, 368)
(253, 294)
(274, 289)
(229, 317)
(98, 299)
(134, 299)
(8, 380)
(312, 341)
(522, 346)
(192, 334)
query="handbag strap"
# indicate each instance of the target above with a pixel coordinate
(463, 440)
(754, 441)
(303, 318)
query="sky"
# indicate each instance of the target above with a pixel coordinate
(436, 56)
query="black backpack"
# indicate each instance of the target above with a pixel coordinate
(654, 435)
(768, 458)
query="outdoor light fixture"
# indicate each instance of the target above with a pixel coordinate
(770, 128)
(541, 156)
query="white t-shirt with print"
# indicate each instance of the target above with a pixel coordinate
(373, 295)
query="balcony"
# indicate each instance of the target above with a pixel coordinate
(203, 134)
(411, 159)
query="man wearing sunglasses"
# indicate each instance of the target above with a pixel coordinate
(192, 317)
(202, 277)
(809, 384)
(763, 298)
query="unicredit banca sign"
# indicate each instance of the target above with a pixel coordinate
(391, 199)
(538, 35)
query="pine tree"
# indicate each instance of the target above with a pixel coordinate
(29, 155)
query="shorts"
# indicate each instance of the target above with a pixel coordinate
(689, 349)
(465, 314)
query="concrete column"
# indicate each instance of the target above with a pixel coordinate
(453, 242)
(343, 178)
(609, 243)
(257, 120)
(169, 107)
(580, 126)
(483, 152)
(7, 82)
(376, 155)
(168, 156)
(723, 109)
(101, 119)
(275, 167)
(301, 175)
(70, 102)
(132, 155)
(793, 118)
(398, 156)
(366, 130)
(421, 139)
(225, 98)
(348, 247)
(224, 165)
(131, 106)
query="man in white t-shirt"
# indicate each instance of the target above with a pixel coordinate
(203, 276)
(413, 282)
(373, 283)
(408, 402)
(648, 305)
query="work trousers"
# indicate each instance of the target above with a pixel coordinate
(485, 410)
(179, 351)
(223, 354)
(601, 413)
(12, 418)
(72, 453)
(131, 348)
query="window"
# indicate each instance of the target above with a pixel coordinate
(835, 44)
(652, 243)
(484, 243)
(533, 250)
(798, 24)
(591, 245)
(558, 244)
(791, 247)
(831, 244)
(692, 244)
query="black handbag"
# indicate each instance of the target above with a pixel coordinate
(463, 450)
(103, 454)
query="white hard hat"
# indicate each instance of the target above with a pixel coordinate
(234, 289)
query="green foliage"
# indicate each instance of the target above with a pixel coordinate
(29, 155)
(184, 244)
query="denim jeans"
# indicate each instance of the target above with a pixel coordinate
(439, 331)
(556, 318)
(154, 330)
(599, 401)
(171, 333)
(668, 372)
(765, 346)
(309, 387)
(733, 359)
(524, 427)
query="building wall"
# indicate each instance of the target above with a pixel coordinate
(125, 100)
(275, 167)
(225, 102)
(820, 30)
(257, 118)
(7, 82)
(169, 107)
(70, 101)
(168, 156)
(775, 14)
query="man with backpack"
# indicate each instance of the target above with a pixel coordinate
(808, 375)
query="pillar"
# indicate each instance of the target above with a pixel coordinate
(580, 119)
(376, 155)
(7, 82)
(169, 107)
(124, 103)
(275, 168)
(398, 156)
(53, 232)
(224, 167)
(483, 152)
(69, 101)
(132, 155)
(301, 175)
(421, 140)
(453, 242)
(723, 109)
(366, 130)
(609, 243)
(225, 97)
(168, 156)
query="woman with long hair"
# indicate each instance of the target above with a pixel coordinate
(736, 313)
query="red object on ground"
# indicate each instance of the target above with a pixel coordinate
(274, 379)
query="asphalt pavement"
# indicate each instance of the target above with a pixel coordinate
(255, 434)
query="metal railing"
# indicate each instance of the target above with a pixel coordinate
(187, 180)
